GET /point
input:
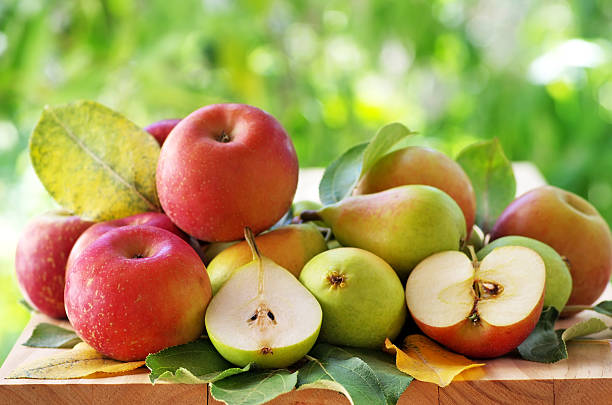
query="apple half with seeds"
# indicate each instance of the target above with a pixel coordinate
(263, 315)
(479, 309)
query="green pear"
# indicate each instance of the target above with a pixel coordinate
(402, 225)
(289, 246)
(263, 315)
(361, 296)
(306, 205)
(558, 277)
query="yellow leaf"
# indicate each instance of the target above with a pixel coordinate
(427, 361)
(81, 361)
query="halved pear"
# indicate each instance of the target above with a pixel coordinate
(479, 309)
(263, 315)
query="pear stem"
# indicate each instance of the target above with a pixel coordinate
(310, 215)
(250, 239)
(475, 262)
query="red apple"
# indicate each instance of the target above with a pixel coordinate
(419, 165)
(137, 290)
(161, 129)
(155, 219)
(40, 261)
(480, 309)
(571, 226)
(225, 167)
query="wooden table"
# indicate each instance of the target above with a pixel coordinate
(584, 378)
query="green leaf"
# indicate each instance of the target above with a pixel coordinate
(192, 363)
(384, 140)
(342, 175)
(584, 328)
(544, 345)
(330, 368)
(393, 381)
(604, 307)
(94, 162)
(547, 345)
(493, 180)
(52, 336)
(254, 387)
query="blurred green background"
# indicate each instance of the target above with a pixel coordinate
(536, 74)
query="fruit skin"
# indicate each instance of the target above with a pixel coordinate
(291, 247)
(40, 260)
(402, 225)
(161, 129)
(420, 165)
(572, 227)
(137, 290)
(224, 167)
(155, 219)
(283, 357)
(481, 339)
(558, 277)
(260, 310)
(361, 296)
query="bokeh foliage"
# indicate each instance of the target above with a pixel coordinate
(536, 74)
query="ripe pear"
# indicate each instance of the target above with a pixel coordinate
(420, 165)
(289, 246)
(306, 205)
(361, 296)
(558, 277)
(263, 315)
(402, 225)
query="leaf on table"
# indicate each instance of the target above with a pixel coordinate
(95, 162)
(604, 307)
(52, 336)
(253, 387)
(192, 363)
(492, 177)
(427, 361)
(547, 345)
(584, 328)
(544, 345)
(342, 175)
(392, 381)
(79, 362)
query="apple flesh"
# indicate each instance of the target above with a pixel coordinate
(420, 165)
(572, 227)
(481, 310)
(224, 167)
(155, 219)
(40, 260)
(137, 290)
(558, 277)
(161, 129)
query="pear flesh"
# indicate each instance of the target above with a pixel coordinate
(263, 315)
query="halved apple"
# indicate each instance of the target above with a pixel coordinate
(479, 309)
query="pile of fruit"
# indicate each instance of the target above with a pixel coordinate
(403, 235)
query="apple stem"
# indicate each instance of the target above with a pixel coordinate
(310, 215)
(475, 262)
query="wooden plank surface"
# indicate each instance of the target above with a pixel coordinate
(585, 375)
